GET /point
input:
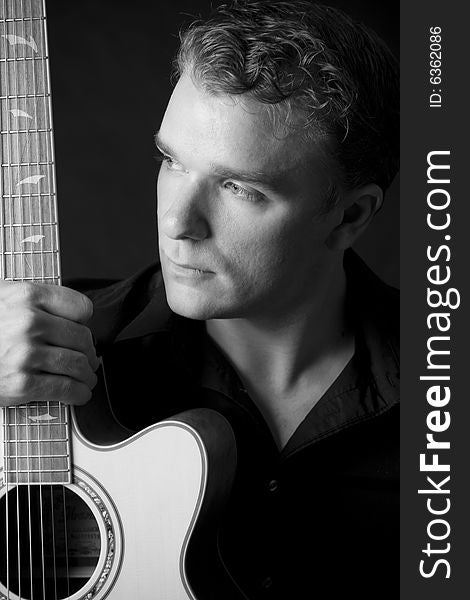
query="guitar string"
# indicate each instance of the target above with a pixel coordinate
(4, 274)
(21, 211)
(28, 448)
(3, 214)
(3, 217)
(47, 136)
(6, 412)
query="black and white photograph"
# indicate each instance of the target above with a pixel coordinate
(199, 301)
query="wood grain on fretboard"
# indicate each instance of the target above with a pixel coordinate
(36, 442)
(28, 217)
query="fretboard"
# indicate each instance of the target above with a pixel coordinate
(36, 444)
(35, 436)
(29, 242)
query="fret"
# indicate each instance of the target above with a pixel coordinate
(23, 58)
(33, 460)
(33, 195)
(37, 470)
(29, 224)
(37, 279)
(10, 131)
(30, 252)
(22, 19)
(16, 96)
(32, 442)
(25, 164)
(21, 9)
(35, 456)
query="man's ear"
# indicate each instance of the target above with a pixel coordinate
(360, 206)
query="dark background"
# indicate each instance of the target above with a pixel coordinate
(110, 70)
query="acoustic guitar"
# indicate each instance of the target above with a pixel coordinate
(88, 509)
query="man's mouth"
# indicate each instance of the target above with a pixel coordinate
(188, 267)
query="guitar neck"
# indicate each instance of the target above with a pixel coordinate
(29, 242)
(36, 436)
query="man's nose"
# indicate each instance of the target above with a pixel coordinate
(184, 215)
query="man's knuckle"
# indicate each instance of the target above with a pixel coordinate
(86, 307)
(82, 362)
(21, 385)
(61, 362)
(26, 357)
(28, 322)
(65, 388)
(30, 293)
(82, 337)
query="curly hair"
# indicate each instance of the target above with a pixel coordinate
(307, 59)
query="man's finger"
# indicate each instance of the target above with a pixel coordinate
(57, 300)
(64, 333)
(69, 363)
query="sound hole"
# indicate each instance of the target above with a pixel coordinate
(53, 542)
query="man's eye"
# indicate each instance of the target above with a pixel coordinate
(241, 192)
(170, 163)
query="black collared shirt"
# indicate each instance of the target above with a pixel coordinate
(318, 519)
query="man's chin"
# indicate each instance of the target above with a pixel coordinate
(192, 306)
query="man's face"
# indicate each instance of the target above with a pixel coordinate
(241, 229)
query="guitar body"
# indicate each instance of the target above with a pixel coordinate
(139, 519)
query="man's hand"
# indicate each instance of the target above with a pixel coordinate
(46, 351)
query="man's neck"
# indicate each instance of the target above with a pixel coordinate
(281, 348)
(288, 364)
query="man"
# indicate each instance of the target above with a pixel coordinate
(277, 144)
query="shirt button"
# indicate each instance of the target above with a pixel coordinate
(273, 485)
(267, 583)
